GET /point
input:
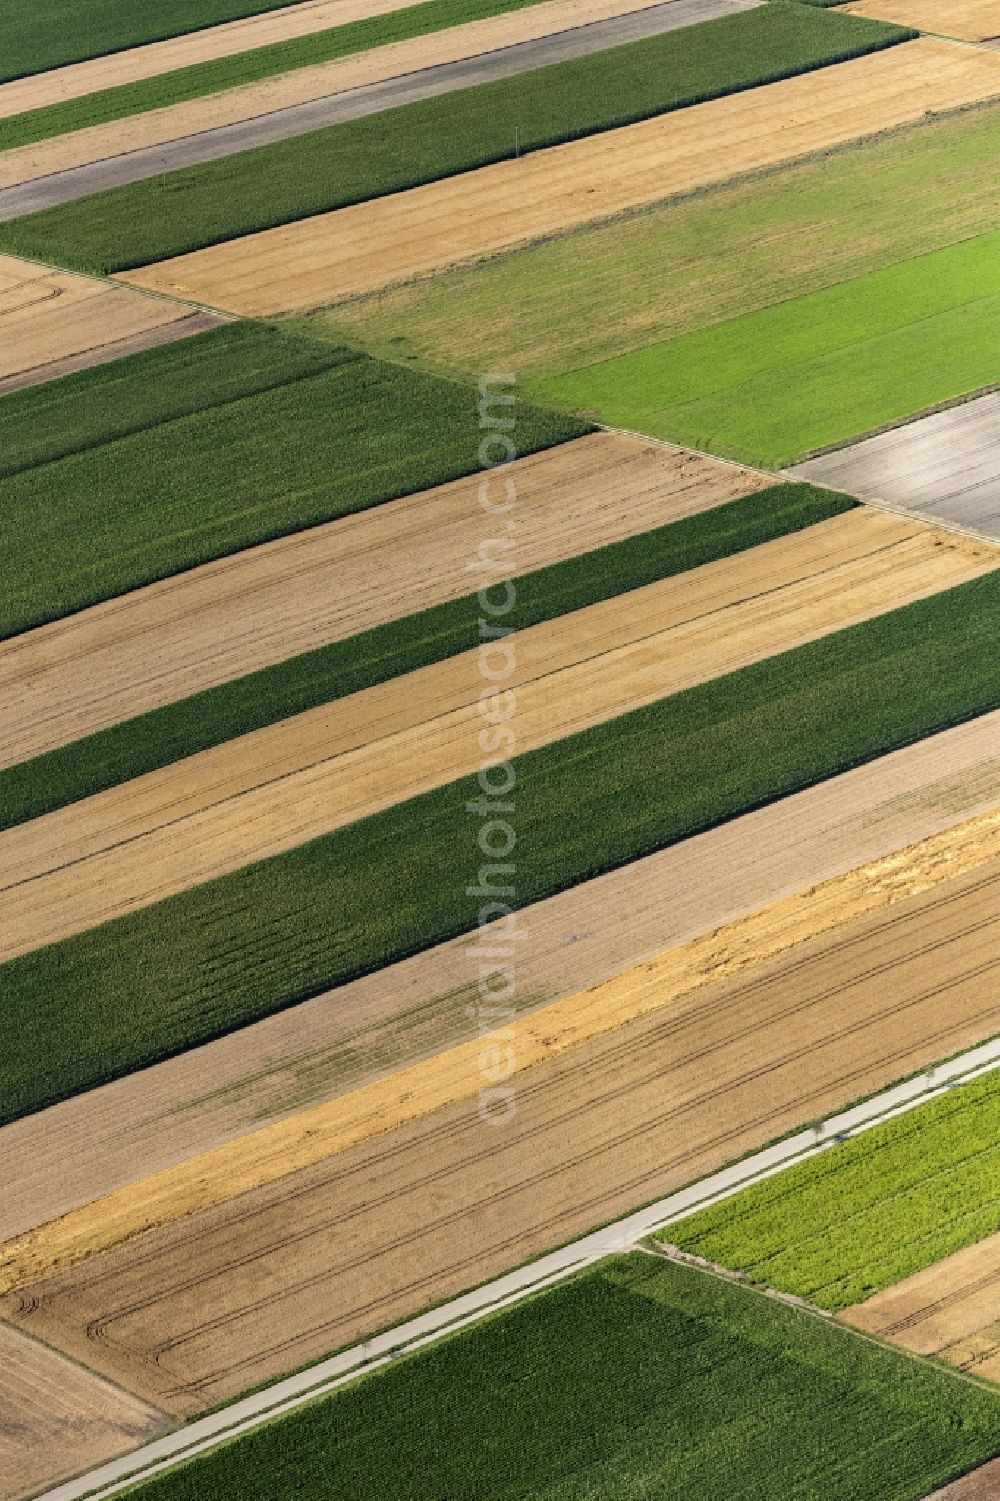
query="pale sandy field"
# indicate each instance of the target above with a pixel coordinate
(331, 256)
(970, 20)
(85, 1148)
(274, 789)
(129, 66)
(193, 1313)
(269, 603)
(156, 126)
(57, 1419)
(951, 1310)
(48, 316)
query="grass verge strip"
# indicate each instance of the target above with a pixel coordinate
(156, 982)
(159, 485)
(157, 739)
(858, 356)
(242, 68)
(870, 1211)
(636, 1377)
(436, 138)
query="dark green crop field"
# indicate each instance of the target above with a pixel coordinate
(41, 34)
(160, 980)
(435, 138)
(154, 464)
(870, 1211)
(246, 67)
(181, 729)
(637, 1379)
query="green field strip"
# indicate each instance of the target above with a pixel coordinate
(43, 34)
(693, 263)
(165, 735)
(870, 1211)
(196, 485)
(636, 1378)
(159, 981)
(435, 138)
(194, 82)
(809, 373)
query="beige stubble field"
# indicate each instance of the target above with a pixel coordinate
(369, 245)
(276, 788)
(192, 1314)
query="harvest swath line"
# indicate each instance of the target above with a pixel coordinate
(294, 1391)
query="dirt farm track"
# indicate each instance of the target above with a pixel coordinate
(278, 787)
(193, 1314)
(369, 245)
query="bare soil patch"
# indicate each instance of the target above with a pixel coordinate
(969, 20)
(337, 255)
(57, 1419)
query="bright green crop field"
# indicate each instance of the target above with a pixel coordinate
(870, 1211)
(119, 476)
(246, 67)
(435, 138)
(41, 34)
(695, 262)
(637, 1379)
(165, 735)
(801, 375)
(217, 956)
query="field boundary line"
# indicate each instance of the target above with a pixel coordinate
(621, 1235)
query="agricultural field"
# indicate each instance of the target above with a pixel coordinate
(328, 257)
(499, 835)
(634, 1374)
(300, 779)
(710, 258)
(942, 467)
(53, 323)
(870, 1211)
(291, 418)
(300, 922)
(436, 138)
(841, 351)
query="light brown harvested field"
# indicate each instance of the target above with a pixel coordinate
(419, 1089)
(47, 315)
(276, 788)
(969, 20)
(979, 1485)
(951, 1310)
(267, 604)
(154, 127)
(336, 255)
(118, 68)
(194, 1313)
(87, 1147)
(57, 1419)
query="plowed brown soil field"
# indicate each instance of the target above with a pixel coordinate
(970, 20)
(156, 126)
(47, 316)
(87, 1147)
(182, 51)
(980, 1485)
(278, 787)
(357, 249)
(57, 1419)
(196, 1312)
(951, 1310)
(269, 603)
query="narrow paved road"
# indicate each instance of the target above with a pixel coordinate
(334, 109)
(284, 1396)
